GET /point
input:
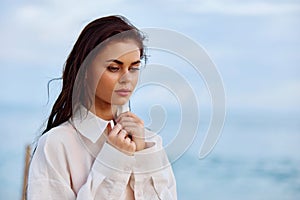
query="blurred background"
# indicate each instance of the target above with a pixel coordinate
(255, 46)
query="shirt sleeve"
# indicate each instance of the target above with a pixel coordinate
(49, 177)
(153, 174)
(109, 175)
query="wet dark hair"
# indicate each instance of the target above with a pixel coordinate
(99, 31)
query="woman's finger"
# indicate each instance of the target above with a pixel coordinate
(130, 124)
(122, 134)
(128, 140)
(117, 128)
(128, 116)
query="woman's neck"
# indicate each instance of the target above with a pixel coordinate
(104, 110)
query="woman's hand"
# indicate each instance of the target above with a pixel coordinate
(118, 138)
(134, 128)
(128, 135)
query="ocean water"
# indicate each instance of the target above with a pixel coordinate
(247, 163)
(229, 178)
(256, 158)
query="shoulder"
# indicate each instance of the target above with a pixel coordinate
(57, 137)
(50, 159)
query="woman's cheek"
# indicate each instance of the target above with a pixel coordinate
(107, 85)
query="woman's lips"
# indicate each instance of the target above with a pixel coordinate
(123, 92)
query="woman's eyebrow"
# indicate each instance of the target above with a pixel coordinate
(115, 61)
(121, 63)
(136, 62)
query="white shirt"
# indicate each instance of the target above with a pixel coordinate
(73, 161)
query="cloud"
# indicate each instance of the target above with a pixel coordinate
(39, 32)
(242, 8)
(44, 33)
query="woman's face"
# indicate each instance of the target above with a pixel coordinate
(115, 72)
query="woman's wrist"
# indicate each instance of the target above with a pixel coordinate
(140, 144)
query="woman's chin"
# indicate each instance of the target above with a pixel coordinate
(120, 101)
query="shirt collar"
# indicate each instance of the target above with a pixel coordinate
(88, 124)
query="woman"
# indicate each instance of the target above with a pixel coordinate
(91, 148)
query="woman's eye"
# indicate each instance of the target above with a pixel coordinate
(133, 69)
(113, 69)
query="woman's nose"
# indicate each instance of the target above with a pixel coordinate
(126, 77)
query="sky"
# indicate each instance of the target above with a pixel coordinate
(254, 44)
